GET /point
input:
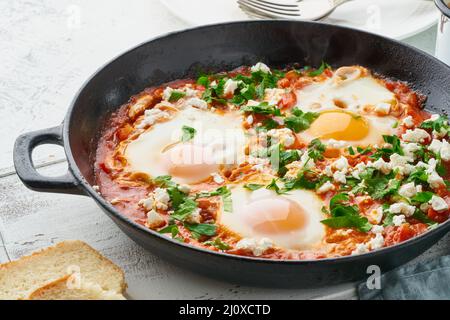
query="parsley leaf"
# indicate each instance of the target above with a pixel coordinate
(176, 95)
(171, 228)
(253, 186)
(319, 71)
(184, 209)
(302, 181)
(419, 176)
(164, 181)
(439, 124)
(262, 108)
(218, 243)
(268, 124)
(188, 133)
(224, 192)
(201, 229)
(351, 151)
(422, 197)
(300, 120)
(345, 216)
(315, 149)
(274, 186)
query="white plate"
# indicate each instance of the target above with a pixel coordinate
(396, 19)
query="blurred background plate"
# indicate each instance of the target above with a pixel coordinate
(396, 19)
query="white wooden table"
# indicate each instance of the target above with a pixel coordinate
(47, 49)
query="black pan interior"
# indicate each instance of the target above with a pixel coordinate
(224, 47)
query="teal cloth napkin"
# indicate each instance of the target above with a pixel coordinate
(422, 281)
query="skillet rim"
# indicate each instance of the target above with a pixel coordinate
(88, 189)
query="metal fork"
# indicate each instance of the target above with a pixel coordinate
(264, 9)
(269, 9)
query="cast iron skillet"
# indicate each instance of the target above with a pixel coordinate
(217, 48)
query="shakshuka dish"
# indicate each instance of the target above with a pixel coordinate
(297, 163)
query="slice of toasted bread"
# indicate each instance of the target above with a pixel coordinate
(64, 289)
(21, 277)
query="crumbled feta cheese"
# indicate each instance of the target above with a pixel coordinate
(257, 247)
(339, 176)
(283, 136)
(336, 144)
(438, 204)
(167, 93)
(151, 116)
(147, 203)
(445, 151)
(196, 103)
(403, 208)
(377, 242)
(382, 165)
(162, 198)
(96, 188)
(328, 171)
(435, 146)
(230, 86)
(440, 134)
(358, 169)
(408, 190)
(360, 248)
(327, 186)
(154, 219)
(217, 178)
(398, 220)
(190, 92)
(376, 215)
(250, 119)
(416, 135)
(400, 163)
(377, 229)
(184, 188)
(260, 67)
(408, 122)
(435, 180)
(341, 164)
(273, 95)
(258, 167)
(433, 117)
(195, 216)
(409, 149)
(383, 108)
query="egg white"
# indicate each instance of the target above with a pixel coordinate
(308, 236)
(355, 93)
(221, 137)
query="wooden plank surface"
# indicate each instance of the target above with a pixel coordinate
(48, 49)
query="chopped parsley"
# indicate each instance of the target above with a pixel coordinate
(188, 133)
(422, 197)
(201, 229)
(345, 216)
(437, 125)
(320, 70)
(253, 186)
(218, 243)
(315, 149)
(262, 108)
(387, 152)
(224, 192)
(176, 95)
(300, 120)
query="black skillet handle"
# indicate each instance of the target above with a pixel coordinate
(26, 171)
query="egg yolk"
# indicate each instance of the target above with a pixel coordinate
(339, 125)
(274, 215)
(189, 162)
